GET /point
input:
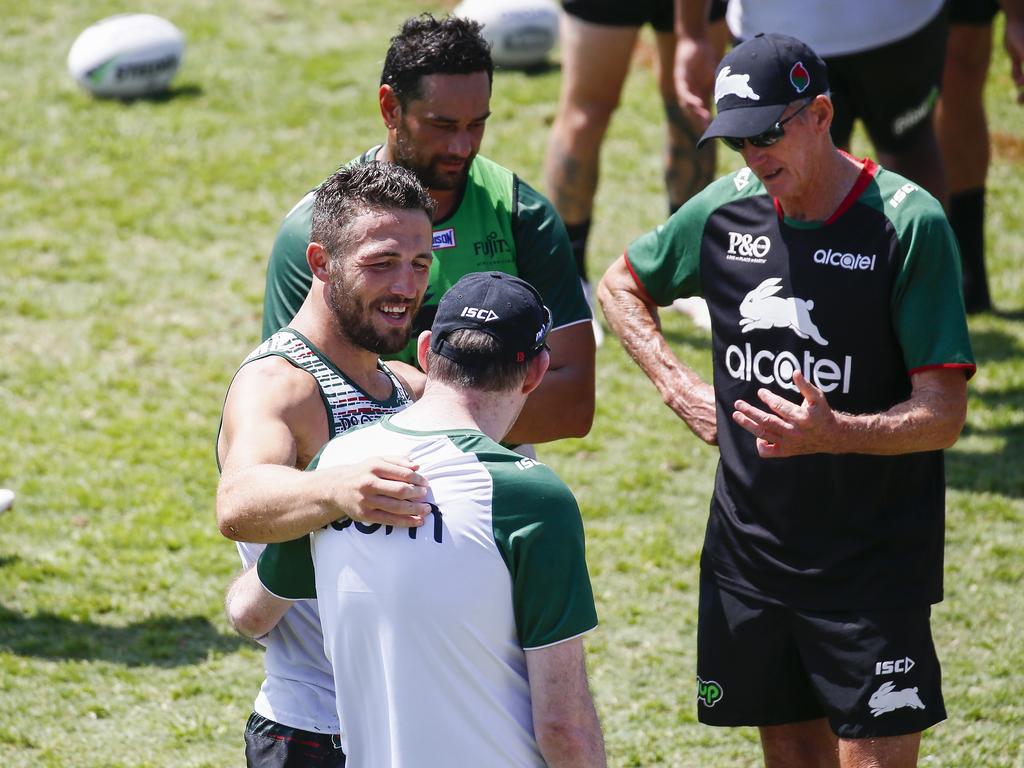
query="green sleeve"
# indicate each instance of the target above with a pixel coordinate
(927, 296)
(544, 256)
(288, 275)
(539, 532)
(666, 260)
(286, 569)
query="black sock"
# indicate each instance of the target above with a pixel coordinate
(578, 234)
(967, 218)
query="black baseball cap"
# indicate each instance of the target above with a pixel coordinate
(757, 80)
(505, 307)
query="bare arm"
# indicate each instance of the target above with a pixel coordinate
(274, 421)
(695, 59)
(252, 610)
(634, 318)
(929, 420)
(563, 404)
(1013, 40)
(564, 719)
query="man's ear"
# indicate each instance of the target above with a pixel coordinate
(317, 258)
(823, 112)
(390, 107)
(535, 373)
(422, 347)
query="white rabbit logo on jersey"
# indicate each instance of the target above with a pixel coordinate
(761, 309)
(887, 699)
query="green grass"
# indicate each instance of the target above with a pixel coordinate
(131, 274)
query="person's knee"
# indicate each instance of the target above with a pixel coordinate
(585, 123)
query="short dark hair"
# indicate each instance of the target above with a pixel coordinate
(428, 46)
(490, 371)
(355, 189)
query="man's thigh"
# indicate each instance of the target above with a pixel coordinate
(875, 673)
(615, 13)
(892, 89)
(749, 670)
(272, 745)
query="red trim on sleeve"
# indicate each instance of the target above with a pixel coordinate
(968, 368)
(646, 295)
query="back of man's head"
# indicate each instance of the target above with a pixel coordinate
(488, 328)
(360, 188)
(428, 46)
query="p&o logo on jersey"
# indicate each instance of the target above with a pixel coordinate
(743, 246)
(761, 309)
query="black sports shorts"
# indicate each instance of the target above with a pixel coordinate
(870, 673)
(974, 12)
(892, 89)
(616, 13)
(272, 745)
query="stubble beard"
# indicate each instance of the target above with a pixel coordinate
(427, 172)
(352, 320)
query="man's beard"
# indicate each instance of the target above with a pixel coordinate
(353, 320)
(426, 171)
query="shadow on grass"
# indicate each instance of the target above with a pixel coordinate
(161, 642)
(183, 91)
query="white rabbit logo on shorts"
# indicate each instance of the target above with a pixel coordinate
(886, 699)
(762, 309)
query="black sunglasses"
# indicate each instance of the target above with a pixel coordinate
(541, 342)
(767, 138)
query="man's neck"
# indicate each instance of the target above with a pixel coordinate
(444, 408)
(835, 177)
(359, 364)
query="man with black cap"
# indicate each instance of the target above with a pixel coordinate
(840, 358)
(460, 643)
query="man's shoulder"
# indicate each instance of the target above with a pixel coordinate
(902, 201)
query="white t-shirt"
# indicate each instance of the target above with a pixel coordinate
(426, 628)
(832, 27)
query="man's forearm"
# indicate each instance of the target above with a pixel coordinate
(562, 406)
(930, 420)
(635, 323)
(268, 503)
(691, 18)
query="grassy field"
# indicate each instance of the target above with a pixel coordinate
(134, 240)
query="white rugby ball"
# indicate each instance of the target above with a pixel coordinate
(127, 56)
(521, 32)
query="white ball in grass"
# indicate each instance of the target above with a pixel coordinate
(6, 499)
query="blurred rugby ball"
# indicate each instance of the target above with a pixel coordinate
(521, 32)
(127, 56)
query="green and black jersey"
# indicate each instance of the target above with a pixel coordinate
(501, 223)
(429, 626)
(857, 304)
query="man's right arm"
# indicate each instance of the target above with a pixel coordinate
(273, 413)
(695, 58)
(634, 319)
(564, 719)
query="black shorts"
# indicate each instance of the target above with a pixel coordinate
(272, 745)
(892, 89)
(974, 12)
(871, 674)
(615, 13)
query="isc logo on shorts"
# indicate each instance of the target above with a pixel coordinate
(894, 666)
